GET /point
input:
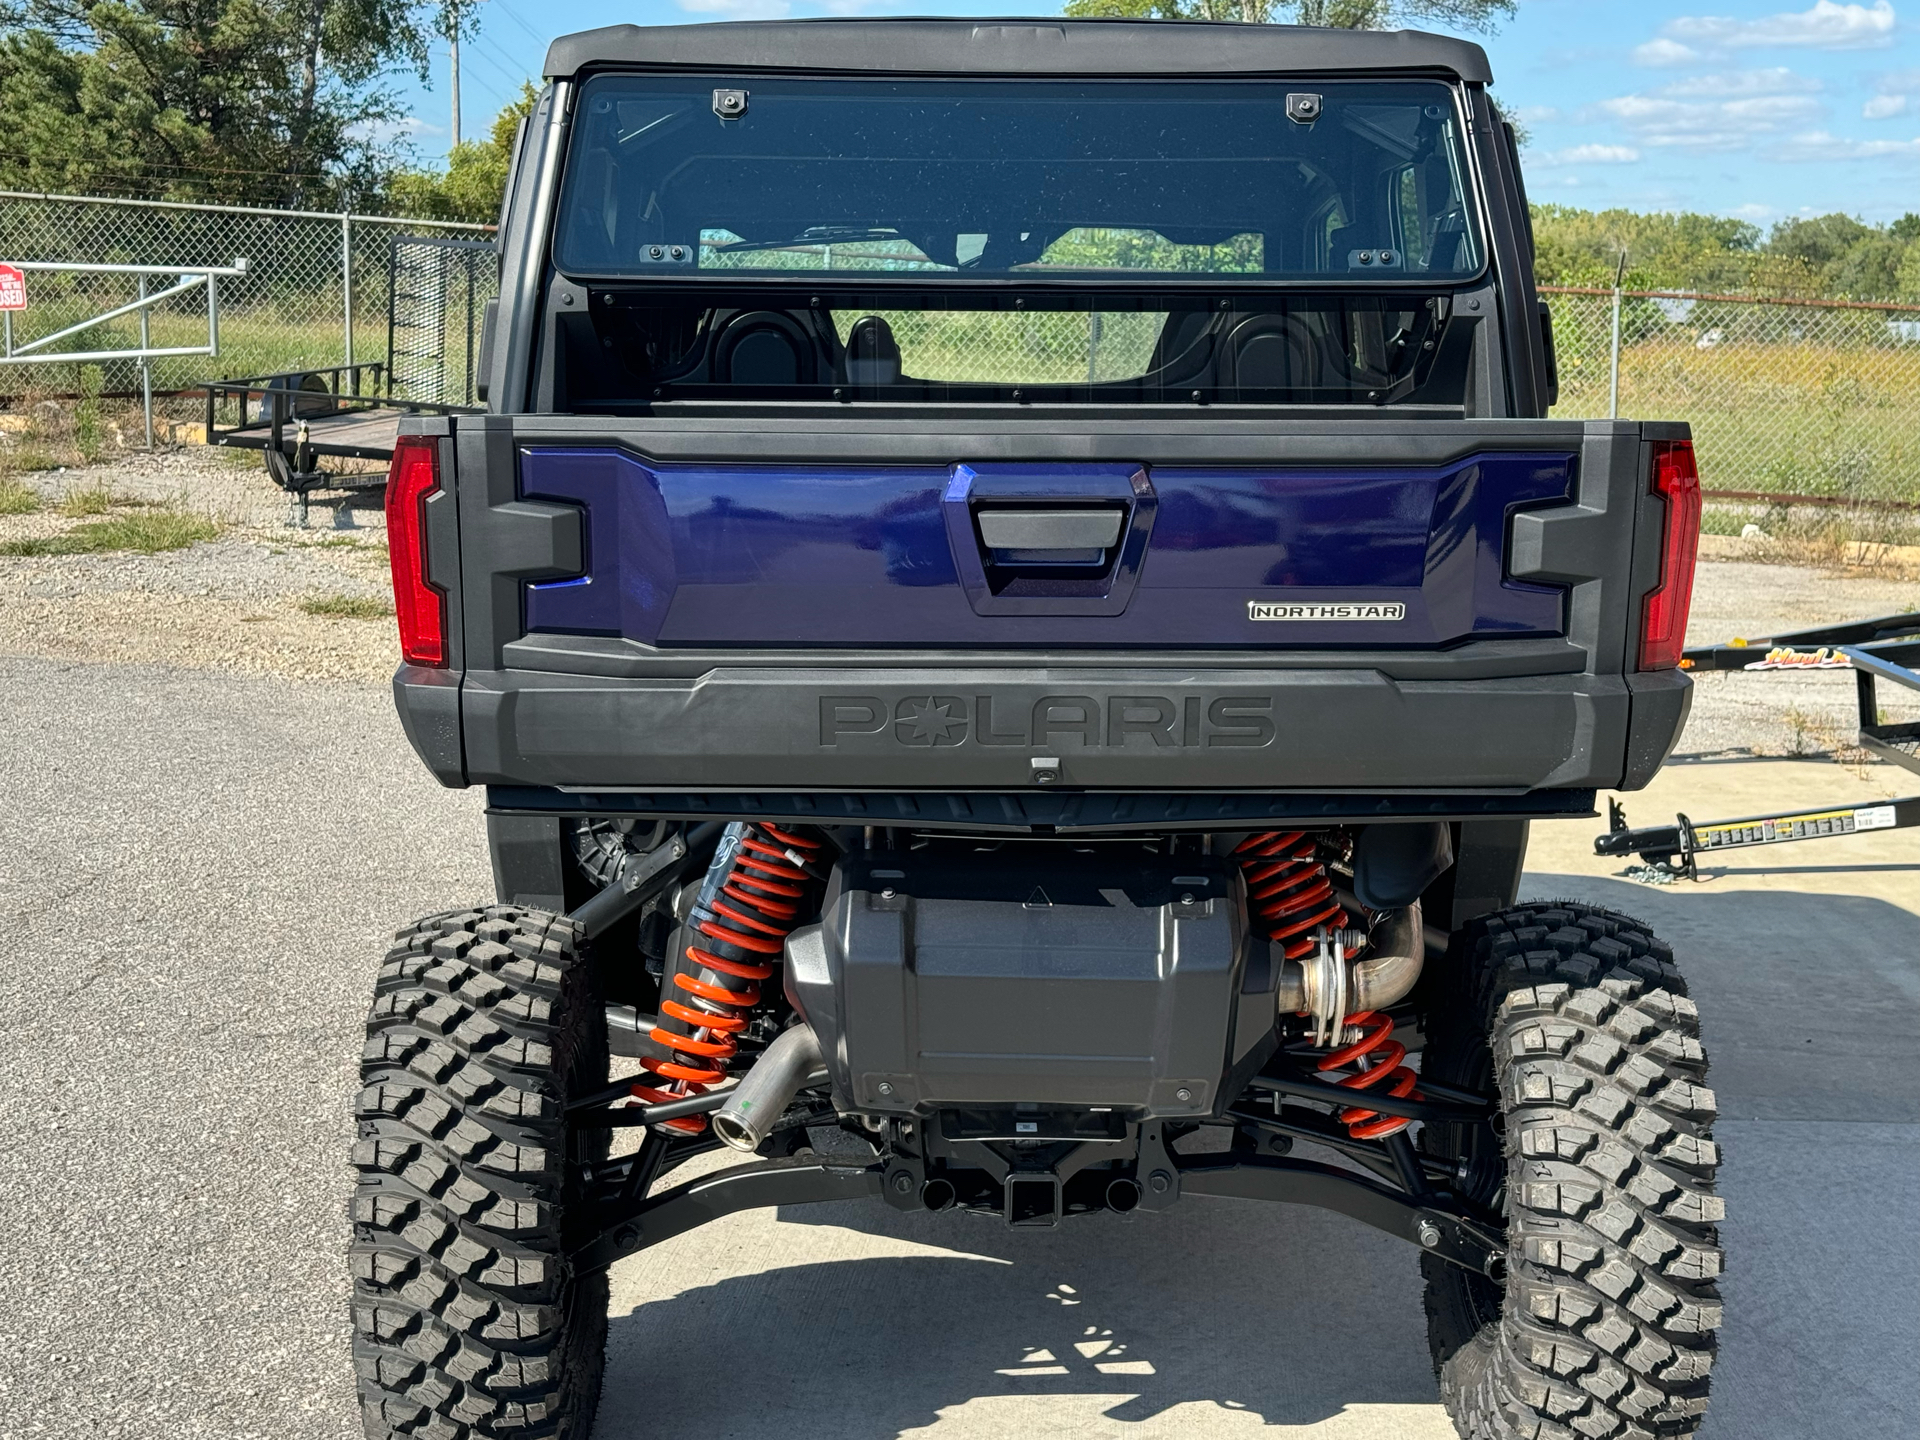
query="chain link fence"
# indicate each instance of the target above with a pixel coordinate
(1001, 347)
(1809, 402)
(1813, 401)
(316, 290)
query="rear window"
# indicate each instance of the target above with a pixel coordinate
(909, 181)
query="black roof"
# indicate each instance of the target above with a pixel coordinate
(1015, 47)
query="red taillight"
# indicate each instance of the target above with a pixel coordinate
(1663, 615)
(422, 609)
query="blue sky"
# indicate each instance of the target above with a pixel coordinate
(1739, 107)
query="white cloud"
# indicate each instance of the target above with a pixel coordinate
(1729, 84)
(1590, 155)
(1752, 210)
(1661, 120)
(1827, 26)
(1663, 54)
(1818, 145)
(1884, 107)
(1536, 114)
(739, 9)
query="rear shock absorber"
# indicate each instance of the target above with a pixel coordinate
(1291, 898)
(1375, 1057)
(756, 891)
(1288, 891)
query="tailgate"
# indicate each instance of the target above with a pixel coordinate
(987, 554)
(1380, 605)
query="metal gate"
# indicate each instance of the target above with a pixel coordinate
(437, 291)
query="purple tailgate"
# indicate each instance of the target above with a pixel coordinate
(748, 555)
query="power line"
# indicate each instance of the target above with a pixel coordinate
(514, 15)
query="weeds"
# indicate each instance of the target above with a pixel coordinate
(17, 499)
(1803, 732)
(94, 500)
(28, 458)
(347, 607)
(144, 533)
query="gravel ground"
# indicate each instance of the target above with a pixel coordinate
(1775, 712)
(230, 604)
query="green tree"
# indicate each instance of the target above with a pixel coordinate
(475, 178)
(273, 101)
(1824, 256)
(1338, 14)
(1664, 251)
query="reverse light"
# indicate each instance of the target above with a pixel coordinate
(421, 608)
(1663, 614)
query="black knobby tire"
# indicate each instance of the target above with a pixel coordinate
(1603, 1164)
(467, 1318)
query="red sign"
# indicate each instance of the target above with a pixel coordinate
(13, 289)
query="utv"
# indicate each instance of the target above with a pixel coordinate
(1014, 603)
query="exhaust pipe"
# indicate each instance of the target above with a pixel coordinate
(764, 1092)
(1397, 947)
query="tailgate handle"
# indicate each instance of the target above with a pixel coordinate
(1081, 535)
(1060, 538)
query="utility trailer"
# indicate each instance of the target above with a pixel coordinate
(299, 417)
(1884, 648)
(1014, 600)
(437, 291)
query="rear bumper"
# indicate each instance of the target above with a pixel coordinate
(953, 729)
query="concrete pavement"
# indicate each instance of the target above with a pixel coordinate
(196, 875)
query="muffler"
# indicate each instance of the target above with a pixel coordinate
(756, 1104)
(1329, 986)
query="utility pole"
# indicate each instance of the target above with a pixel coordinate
(453, 55)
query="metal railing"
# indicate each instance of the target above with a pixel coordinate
(207, 277)
(315, 292)
(1815, 403)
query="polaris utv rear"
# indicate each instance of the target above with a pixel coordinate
(1014, 604)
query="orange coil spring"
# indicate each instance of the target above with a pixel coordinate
(1376, 1056)
(1288, 891)
(741, 929)
(1290, 897)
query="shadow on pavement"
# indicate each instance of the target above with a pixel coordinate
(1282, 1312)
(1810, 1010)
(863, 1322)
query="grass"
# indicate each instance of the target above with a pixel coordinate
(28, 458)
(17, 499)
(145, 533)
(1807, 417)
(94, 500)
(347, 607)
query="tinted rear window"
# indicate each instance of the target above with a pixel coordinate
(1096, 181)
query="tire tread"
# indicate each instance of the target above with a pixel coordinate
(467, 1320)
(1606, 1330)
